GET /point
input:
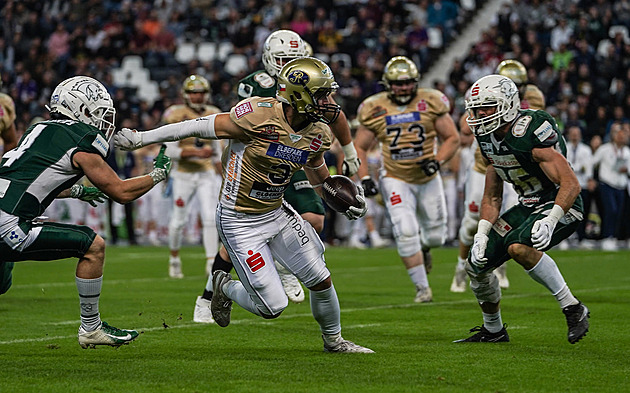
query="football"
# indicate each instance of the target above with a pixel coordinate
(339, 192)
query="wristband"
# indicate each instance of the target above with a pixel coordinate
(484, 227)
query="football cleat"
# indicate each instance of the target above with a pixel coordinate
(577, 320)
(428, 260)
(202, 313)
(482, 335)
(501, 274)
(221, 305)
(344, 346)
(106, 335)
(175, 268)
(459, 281)
(291, 284)
(424, 295)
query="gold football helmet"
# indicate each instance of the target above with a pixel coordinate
(514, 70)
(400, 70)
(196, 84)
(305, 83)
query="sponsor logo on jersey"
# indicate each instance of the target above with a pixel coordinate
(422, 106)
(180, 202)
(255, 262)
(544, 131)
(530, 201)
(270, 133)
(101, 145)
(15, 238)
(316, 143)
(502, 227)
(295, 138)
(486, 147)
(302, 184)
(473, 207)
(231, 176)
(504, 161)
(521, 126)
(402, 118)
(243, 109)
(407, 153)
(446, 101)
(378, 112)
(265, 104)
(287, 153)
(395, 199)
(298, 226)
(267, 191)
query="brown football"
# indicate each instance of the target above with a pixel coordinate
(339, 192)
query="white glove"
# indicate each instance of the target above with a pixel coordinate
(478, 251)
(127, 139)
(542, 230)
(354, 213)
(351, 162)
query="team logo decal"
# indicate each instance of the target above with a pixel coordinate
(91, 90)
(521, 126)
(298, 77)
(508, 87)
(316, 143)
(269, 133)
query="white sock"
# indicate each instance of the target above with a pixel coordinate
(173, 259)
(325, 309)
(493, 322)
(546, 272)
(461, 264)
(418, 276)
(89, 293)
(237, 292)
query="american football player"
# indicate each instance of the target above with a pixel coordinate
(49, 159)
(269, 140)
(407, 120)
(526, 150)
(197, 173)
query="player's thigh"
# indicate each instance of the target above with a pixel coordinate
(301, 195)
(473, 193)
(208, 197)
(400, 202)
(431, 205)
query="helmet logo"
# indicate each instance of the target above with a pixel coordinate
(91, 90)
(298, 77)
(507, 87)
(475, 90)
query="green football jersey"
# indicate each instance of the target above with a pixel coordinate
(40, 167)
(512, 156)
(258, 83)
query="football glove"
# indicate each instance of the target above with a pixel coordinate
(542, 230)
(128, 139)
(161, 166)
(353, 212)
(369, 186)
(429, 167)
(478, 251)
(91, 195)
(351, 162)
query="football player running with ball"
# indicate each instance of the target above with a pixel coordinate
(49, 159)
(279, 48)
(269, 140)
(525, 149)
(406, 120)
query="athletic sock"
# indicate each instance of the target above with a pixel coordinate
(325, 309)
(546, 272)
(89, 293)
(493, 322)
(418, 276)
(221, 264)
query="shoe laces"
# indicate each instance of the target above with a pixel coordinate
(112, 330)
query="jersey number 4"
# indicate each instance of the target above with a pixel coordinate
(13, 155)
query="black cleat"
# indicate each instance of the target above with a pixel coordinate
(577, 320)
(484, 336)
(428, 260)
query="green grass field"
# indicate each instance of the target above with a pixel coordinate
(39, 320)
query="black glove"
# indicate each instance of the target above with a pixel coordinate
(369, 186)
(430, 166)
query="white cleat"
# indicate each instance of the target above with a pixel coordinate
(291, 284)
(459, 281)
(202, 313)
(344, 346)
(175, 268)
(424, 295)
(501, 273)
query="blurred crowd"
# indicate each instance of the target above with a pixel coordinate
(576, 51)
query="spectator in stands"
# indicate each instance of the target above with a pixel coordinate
(580, 157)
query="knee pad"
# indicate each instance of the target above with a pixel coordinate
(468, 228)
(485, 286)
(433, 237)
(408, 245)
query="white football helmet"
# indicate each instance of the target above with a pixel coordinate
(86, 100)
(492, 91)
(280, 47)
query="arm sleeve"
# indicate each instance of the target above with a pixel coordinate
(202, 127)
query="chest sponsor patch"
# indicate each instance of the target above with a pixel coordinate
(409, 117)
(506, 161)
(502, 227)
(521, 126)
(486, 147)
(544, 131)
(267, 192)
(243, 109)
(287, 153)
(316, 143)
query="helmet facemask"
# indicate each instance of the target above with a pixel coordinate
(400, 70)
(196, 84)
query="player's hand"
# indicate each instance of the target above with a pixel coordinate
(429, 167)
(351, 162)
(91, 195)
(353, 212)
(542, 232)
(369, 186)
(128, 139)
(478, 251)
(161, 166)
